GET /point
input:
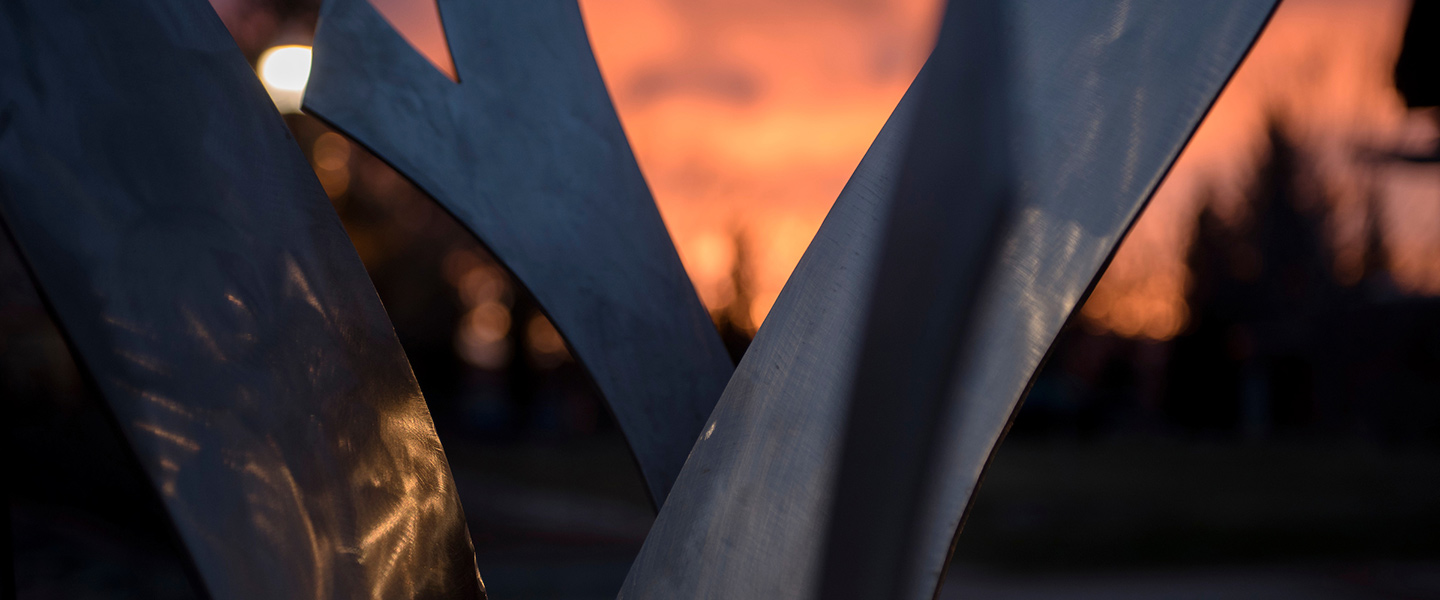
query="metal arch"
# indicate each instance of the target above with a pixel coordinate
(205, 284)
(527, 152)
(1105, 95)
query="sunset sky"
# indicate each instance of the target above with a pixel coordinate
(748, 116)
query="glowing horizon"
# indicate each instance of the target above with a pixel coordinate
(747, 118)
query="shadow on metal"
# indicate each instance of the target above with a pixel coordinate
(205, 284)
(1104, 97)
(527, 152)
(952, 197)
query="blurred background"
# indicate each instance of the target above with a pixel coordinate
(1247, 406)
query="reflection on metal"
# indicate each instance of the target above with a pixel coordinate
(952, 196)
(207, 287)
(1104, 96)
(527, 152)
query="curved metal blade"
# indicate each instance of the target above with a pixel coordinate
(953, 196)
(206, 285)
(526, 151)
(1106, 94)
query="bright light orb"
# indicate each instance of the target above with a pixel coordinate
(285, 70)
(286, 67)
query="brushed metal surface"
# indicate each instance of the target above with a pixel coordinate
(953, 195)
(205, 284)
(526, 151)
(1105, 95)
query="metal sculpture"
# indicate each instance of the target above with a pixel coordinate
(526, 151)
(952, 197)
(206, 285)
(1104, 96)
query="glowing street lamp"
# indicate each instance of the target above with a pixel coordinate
(284, 70)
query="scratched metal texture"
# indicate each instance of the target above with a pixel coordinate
(1104, 95)
(953, 196)
(208, 290)
(527, 152)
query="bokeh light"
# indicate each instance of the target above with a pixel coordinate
(285, 70)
